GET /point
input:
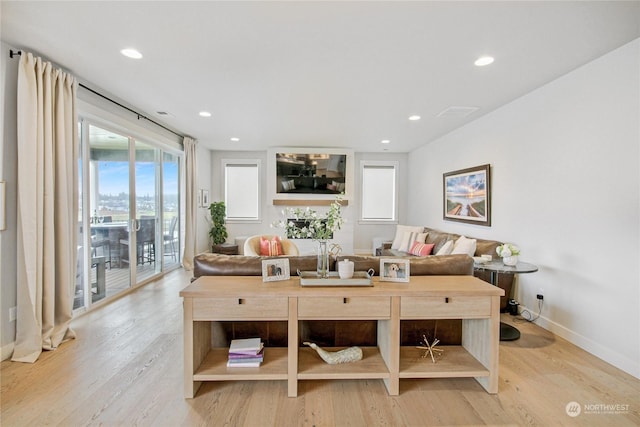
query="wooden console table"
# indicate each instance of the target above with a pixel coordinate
(244, 298)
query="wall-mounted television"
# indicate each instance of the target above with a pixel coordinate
(310, 173)
(307, 173)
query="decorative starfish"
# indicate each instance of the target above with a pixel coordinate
(430, 348)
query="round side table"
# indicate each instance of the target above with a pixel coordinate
(507, 332)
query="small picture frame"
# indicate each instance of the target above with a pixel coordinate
(204, 198)
(275, 269)
(394, 270)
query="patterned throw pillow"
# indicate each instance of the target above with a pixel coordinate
(288, 185)
(400, 230)
(421, 249)
(271, 247)
(409, 237)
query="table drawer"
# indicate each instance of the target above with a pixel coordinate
(455, 307)
(344, 307)
(252, 308)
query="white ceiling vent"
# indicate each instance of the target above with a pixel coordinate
(458, 112)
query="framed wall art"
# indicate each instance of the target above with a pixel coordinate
(467, 195)
(394, 270)
(275, 269)
(204, 198)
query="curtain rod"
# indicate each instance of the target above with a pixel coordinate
(13, 53)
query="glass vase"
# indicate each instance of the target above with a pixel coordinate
(323, 259)
(510, 260)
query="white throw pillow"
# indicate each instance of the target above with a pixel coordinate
(400, 229)
(408, 238)
(446, 248)
(464, 246)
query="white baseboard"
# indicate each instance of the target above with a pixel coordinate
(632, 367)
(6, 351)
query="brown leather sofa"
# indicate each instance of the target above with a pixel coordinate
(483, 247)
(335, 333)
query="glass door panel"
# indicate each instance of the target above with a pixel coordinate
(79, 299)
(108, 194)
(147, 194)
(170, 210)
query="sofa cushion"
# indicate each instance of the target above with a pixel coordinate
(446, 249)
(207, 264)
(464, 245)
(421, 249)
(400, 236)
(270, 247)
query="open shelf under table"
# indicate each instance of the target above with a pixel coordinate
(312, 367)
(214, 367)
(454, 362)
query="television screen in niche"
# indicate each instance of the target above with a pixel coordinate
(310, 173)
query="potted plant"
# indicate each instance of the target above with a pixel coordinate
(218, 231)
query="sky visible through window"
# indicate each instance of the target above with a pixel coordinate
(114, 178)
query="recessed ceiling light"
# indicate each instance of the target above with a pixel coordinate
(483, 60)
(414, 118)
(234, 139)
(385, 141)
(204, 114)
(131, 53)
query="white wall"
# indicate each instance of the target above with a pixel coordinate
(566, 188)
(203, 181)
(353, 237)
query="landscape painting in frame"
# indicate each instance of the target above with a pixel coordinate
(467, 195)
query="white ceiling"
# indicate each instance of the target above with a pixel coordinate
(334, 74)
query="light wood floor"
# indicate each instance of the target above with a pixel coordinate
(125, 368)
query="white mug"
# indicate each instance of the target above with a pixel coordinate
(345, 269)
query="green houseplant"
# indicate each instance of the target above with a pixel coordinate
(218, 231)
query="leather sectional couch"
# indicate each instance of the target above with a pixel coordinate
(483, 247)
(335, 333)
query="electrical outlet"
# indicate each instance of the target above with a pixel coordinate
(13, 313)
(540, 296)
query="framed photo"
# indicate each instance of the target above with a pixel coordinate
(394, 270)
(467, 195)
(275, 269)
(204, 198)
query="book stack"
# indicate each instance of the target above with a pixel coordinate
(245, 353)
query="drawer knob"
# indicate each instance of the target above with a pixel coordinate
(446, 300)
(240, 301)
(345, 300)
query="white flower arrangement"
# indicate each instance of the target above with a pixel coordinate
(316, 227)
(507, 250)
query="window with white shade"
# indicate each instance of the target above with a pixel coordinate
(379, 193)
(242, 189)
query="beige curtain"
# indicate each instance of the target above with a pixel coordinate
(47, 207)
(191, 209)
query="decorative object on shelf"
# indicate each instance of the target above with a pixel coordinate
(467, 195)
(218, 231)
(509, 254)
(351, 354)
(308, 224)
(431, 349)
(274, 270)
(345, 269)
(394, 270)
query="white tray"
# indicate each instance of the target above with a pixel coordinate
(310, 278)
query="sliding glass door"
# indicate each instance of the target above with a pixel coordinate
(126, 228)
